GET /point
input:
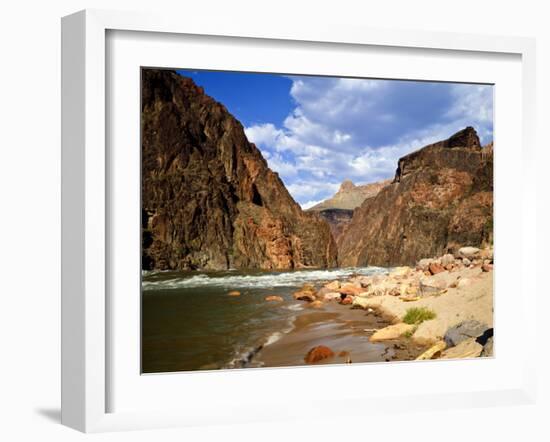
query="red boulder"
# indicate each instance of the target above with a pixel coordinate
(318, 353)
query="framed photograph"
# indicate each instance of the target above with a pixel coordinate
(250, 212)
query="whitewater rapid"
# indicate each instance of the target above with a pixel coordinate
(263, 280)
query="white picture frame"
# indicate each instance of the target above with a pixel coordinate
(87, 356)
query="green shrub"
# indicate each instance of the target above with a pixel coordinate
(417, 315)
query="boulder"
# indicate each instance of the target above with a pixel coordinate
(391, 332)
(435, 268)
(487, 267)
(469, 252)
(447, 259)
(433, 352)
(360, 302)
(423, 264)
(348, 300)
(234, 293)
(304, 296)
(333, 285)
(468, 348)
(274, 298)
(486, 340)
(318, 353)
(466, 262)
(430, 332)
(465, 330)
(331, 296)
(351, 289)
(315, 304)
(488, 348)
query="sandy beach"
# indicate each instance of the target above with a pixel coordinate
(344, 330)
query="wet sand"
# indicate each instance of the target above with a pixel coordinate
(344, 330)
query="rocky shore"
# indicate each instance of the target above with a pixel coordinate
(440, 309)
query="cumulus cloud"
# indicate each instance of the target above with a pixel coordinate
(342, 128)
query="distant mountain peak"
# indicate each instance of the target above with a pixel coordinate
(346, 186)
(350, 196)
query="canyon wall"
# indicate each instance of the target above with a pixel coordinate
(209, 199)
(440, 199)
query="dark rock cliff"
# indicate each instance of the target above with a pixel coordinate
(441, 199)
(209, 200)
(337, 219)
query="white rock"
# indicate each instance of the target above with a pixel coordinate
(447, 259)
(468, 252)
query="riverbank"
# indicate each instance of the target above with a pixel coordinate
(441, 308)
(344, 331)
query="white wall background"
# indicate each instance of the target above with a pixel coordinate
(30, 216)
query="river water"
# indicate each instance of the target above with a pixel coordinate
(190, 323)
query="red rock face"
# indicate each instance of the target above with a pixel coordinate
(209, 200)
(441, 199)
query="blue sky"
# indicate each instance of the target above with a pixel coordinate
(317, 131)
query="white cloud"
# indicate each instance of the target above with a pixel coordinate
(304, 190)
(285, 169)
(474, 104)
(263, 134)
(358, 129)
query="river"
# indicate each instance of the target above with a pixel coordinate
(189, 322)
